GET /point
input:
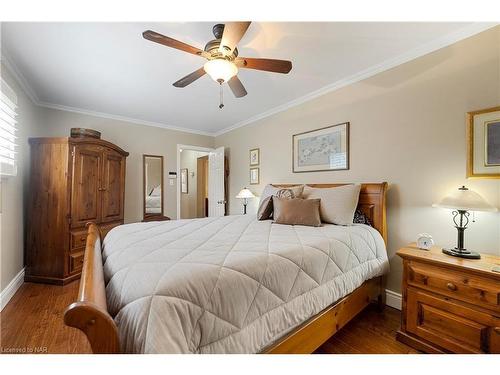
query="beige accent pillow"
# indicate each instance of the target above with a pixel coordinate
(265, 210)
(338, 204)
(297, 211)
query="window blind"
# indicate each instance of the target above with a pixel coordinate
(8, 129)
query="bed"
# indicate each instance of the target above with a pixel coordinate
(153, 204)
(230, 284)
(154, 201)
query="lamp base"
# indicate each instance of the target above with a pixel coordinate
(462, 253)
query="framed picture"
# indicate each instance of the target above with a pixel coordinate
(184, 181)
(255, 156)
(325, 149)
(483, 143)
(254, 176)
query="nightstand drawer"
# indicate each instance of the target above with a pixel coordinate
(451, 325)
(459, 285)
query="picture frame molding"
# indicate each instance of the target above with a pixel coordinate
(348, 156)
(469, 136)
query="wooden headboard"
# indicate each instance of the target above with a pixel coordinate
(371, 202)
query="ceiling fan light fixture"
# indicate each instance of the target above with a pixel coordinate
(220, 69)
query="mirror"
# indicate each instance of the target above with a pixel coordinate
(153, 186)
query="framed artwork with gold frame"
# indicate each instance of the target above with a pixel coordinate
(254, 157)
(483, 143)
(254, 176)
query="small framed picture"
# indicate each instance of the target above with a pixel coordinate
(254, 176)
(184, 181)
(255, 156)
(483, 143)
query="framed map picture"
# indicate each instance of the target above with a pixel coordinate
(483, 143)
(325, 149)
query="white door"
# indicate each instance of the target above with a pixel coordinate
(216, 200)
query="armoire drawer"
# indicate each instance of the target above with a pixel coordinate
(76, 262)
(451, 325)
(78, 239)
(465, 287)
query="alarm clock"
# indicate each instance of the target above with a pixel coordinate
(424, 241)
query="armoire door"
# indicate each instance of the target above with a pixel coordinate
(85, 200)
(113, 185)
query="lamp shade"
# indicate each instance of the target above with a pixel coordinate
(465, 200)
(220, 69)
(245, 193)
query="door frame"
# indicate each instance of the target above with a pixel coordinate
(178, 184)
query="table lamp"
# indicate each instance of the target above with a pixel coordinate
(245, 194)
(462, 201)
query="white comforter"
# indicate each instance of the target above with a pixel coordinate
(230, 284)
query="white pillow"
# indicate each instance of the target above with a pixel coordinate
(338, 204)
(156, 192)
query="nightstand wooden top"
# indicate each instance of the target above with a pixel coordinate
(435, 255)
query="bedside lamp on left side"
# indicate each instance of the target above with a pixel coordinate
(245, 194)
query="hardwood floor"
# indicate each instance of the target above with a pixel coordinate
(33, 322)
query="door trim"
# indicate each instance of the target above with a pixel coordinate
(178, 183)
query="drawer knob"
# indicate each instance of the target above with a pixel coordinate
(497, 330)
(451, 286)
(82, 239)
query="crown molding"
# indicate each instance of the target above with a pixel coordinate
(413, 54)
(122, 118)
(22, 81)
(425, 49)
(18, 76)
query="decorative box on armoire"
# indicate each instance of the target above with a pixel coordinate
(73, 181)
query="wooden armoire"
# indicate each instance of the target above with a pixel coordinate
(73, 181)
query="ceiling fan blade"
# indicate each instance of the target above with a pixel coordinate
(269, 65)
(169, 42)
(190, 78)
(237, 87)
(233, 32)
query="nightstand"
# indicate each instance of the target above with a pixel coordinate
(450, 305)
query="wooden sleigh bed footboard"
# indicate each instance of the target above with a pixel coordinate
(90, 315)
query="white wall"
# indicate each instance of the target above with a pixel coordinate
(407, 128)
(14, 189)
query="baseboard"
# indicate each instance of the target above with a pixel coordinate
(393, 299)
(11, 289)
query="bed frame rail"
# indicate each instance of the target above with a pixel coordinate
(89, 313)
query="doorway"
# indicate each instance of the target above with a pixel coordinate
(201, 182)
(194, 183)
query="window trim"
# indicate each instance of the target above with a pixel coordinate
(9, 144)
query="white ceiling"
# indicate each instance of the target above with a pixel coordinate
(109, 68)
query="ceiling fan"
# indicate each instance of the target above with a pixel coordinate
(222, 55)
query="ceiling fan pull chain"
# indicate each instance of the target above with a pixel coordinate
(221, 105)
